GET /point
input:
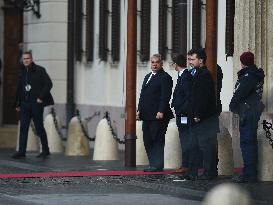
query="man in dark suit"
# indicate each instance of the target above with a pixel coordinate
(180, 103)
(203, 117)
(33, 94)
(155, 111)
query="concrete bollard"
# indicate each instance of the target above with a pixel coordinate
(32, 142)
(77, 144)
(225, 154)
(54, 141)
(172, 150)
(141, 155)
(106, 147)
(227, 194)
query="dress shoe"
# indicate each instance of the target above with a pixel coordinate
(18, 155)
(43, 155)
(181, 170)
(153, 169)
(185, 177)
(244, 179)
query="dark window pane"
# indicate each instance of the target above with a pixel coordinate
(230, 12)
(78, 29)
(89, 30)
(196, 24)
(115, 30)
(162, 39)
(145, 30)
(179, 40)
(103, 30)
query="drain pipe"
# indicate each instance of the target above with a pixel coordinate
(70, 105)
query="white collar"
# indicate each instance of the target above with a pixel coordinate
(181, 72)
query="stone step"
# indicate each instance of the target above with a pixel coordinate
(8, 136)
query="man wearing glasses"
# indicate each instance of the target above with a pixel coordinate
(155, 111)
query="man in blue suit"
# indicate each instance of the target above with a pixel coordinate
(155, 111)
(180, 103)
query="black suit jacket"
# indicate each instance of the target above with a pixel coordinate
(181, 94)
(155, 96)
(202, 96)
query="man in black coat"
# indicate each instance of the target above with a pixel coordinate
(33, 94)
(180, 103)
(246, 102)
(155, 111)
(203, 117)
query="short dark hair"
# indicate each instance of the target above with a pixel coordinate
(180, 60)
(27, 53)
(200, 53)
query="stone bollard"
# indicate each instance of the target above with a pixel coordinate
(54, 141)
(227, 194)
(106, 147)
(77, 144)
(172, 150)
(141, 155)
(32, 142)
(265, 153)
(225, 154)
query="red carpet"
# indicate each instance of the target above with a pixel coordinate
(81, 174)
(92, 173)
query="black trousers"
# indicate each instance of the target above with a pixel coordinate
(154, 141)
(204, 140)
(184, 136)
(35, 111)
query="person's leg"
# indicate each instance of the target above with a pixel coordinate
(37, 116)
(148, 142)
(193, 154)
(249, 147)
(207, 145)
(25, 117)
(159, 130)
(184, 138)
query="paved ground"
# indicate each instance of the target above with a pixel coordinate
(150, 189)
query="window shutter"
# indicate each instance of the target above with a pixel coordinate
(145, 30)
(230, 12)
(78, 29)
(89, 29)
(115, 30)
(103, 29)
(179, 40)
(162, 39)
(196, 24)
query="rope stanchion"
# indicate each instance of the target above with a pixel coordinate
(85, 132)
(114, 134)
(267, 126)
(57, 127)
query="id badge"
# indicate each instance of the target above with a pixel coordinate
(184, 120)
(28, 87)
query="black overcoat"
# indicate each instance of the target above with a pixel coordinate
(40, 83)
(181, 94)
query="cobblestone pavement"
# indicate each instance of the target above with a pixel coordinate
(149, 189)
